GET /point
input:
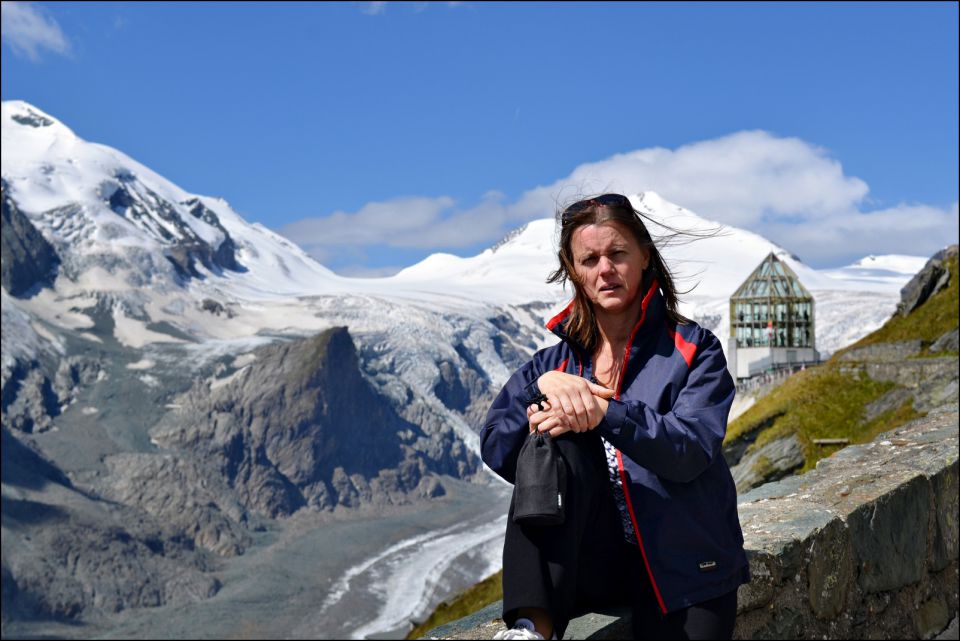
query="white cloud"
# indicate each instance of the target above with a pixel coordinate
(379, 8)
(739, 179)
(786, 189)
(374, 8)
(917, 230)
(397, 222)
(405, 223)
(27, 29)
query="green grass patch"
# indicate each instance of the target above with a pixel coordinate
(466, 603)
(890, 420)
(937, 316)
(762, 467)
(818, 403)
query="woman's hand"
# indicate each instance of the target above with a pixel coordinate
(545, 421)
(578, 404)
(555, 422)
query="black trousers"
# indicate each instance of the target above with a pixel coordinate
(585, 565)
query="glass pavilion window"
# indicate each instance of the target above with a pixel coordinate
(772, 308)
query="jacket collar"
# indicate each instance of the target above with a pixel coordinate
(652, 311)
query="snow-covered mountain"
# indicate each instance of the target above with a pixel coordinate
(877, 271)
(149, 266)
(160, 351)
(101, 202)
(173, 375)
(169, 257)
(164, 266)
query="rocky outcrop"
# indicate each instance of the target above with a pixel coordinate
(31, 398)
(225, 254)
(192, 499)
(946, 343)
(302, 427)
(184, 248)
(27, 260)
(88, 564)
(464, 387)
(930, 382)
(770, 462)
(928, 281)
(883, 352)
(67, 554)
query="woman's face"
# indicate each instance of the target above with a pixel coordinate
(609, 264)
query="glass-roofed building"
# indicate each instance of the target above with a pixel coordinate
(771, 321)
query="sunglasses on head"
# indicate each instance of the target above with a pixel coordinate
(606, 200)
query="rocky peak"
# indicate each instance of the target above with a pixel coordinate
(32, 120)
(928, 281)
(28, 259)
(300, 426)
(161, 219)
(26, 115)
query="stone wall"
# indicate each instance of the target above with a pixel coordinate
(864, 546)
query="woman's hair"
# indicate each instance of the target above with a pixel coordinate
(581, 324)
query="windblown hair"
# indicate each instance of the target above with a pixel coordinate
(581, 325)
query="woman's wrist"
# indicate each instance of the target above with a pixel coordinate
(602, 403)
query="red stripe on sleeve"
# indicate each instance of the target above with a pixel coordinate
(687, 350)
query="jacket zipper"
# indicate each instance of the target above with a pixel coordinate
(623, 475)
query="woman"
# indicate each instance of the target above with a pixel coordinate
(637, 399)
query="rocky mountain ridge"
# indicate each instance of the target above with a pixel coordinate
(301, 427)
(29, 260)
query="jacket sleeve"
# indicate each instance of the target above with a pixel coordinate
(506, 426)
(682, 443)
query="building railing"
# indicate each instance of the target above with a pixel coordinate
(773, 374)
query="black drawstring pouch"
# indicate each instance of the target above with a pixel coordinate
(539, 492)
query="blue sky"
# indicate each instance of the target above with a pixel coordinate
(374, 134)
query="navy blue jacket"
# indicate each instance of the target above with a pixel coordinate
(667, 422)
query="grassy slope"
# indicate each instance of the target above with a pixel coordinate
(816, 403)
(465, 603)
(826, 402)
